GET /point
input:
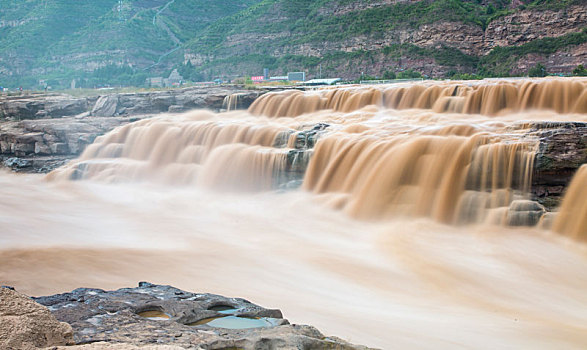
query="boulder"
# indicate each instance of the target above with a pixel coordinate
(25, 324)
(42, 149)
(62, 107)
(176, 109)
(106, 106)
(18, 163)
(41, 106)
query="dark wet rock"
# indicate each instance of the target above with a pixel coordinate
(17, 163)
(525, 213)
(298, 158)
(562, 150)
(119, 317)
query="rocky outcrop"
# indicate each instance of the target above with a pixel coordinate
(41, 106)
(558, 62)
(111, 346)
(121, 104)
(106, 106)
(562, 150)
(342, 8)
(169, 101)
(166, 316)
(25, 324)
(45, 144)
(42, 132)
(524, 26)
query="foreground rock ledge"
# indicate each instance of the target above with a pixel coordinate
(155, 317)
(24, 324)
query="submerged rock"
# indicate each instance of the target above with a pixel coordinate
(24, 324)
(163, 315)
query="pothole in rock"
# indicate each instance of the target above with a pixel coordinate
(223, 309)
(155, 315)
(235, 322)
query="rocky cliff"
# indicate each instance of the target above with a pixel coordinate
(41, 132)
(355, 38)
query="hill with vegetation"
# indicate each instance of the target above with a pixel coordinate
(124, 42)
(98, 41)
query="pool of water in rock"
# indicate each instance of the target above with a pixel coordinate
(223, 309)
(235, 322)
(154, 315)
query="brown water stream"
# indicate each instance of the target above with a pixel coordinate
(394, 239)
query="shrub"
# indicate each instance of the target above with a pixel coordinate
(537, 71)
(580, 71)
(389, 75)
(409, 74)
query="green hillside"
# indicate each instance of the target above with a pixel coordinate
(311, 22)
(71, 39)
(101, 42)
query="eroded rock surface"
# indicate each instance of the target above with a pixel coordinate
(163, 315)
(40, 106)
(44, 144)
(40, 132)
(24, 324)
(169, 101)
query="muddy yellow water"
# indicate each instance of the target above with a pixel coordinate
(154, 315)
(394, 239)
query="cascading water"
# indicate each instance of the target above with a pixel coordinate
(572, 219)
(382, 152)
(423, 177)
(197, 147)
(470, 98)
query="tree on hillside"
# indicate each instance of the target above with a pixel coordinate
(389, 75)
(580, 71)
(537, 71)
(409, 74)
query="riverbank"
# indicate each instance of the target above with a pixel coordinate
(150, 315)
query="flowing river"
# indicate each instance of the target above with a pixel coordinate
(396, 217)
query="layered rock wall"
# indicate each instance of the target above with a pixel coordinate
(41, 132)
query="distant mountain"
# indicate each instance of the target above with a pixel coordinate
(348, 38)
(123, 42)
(62, 39)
